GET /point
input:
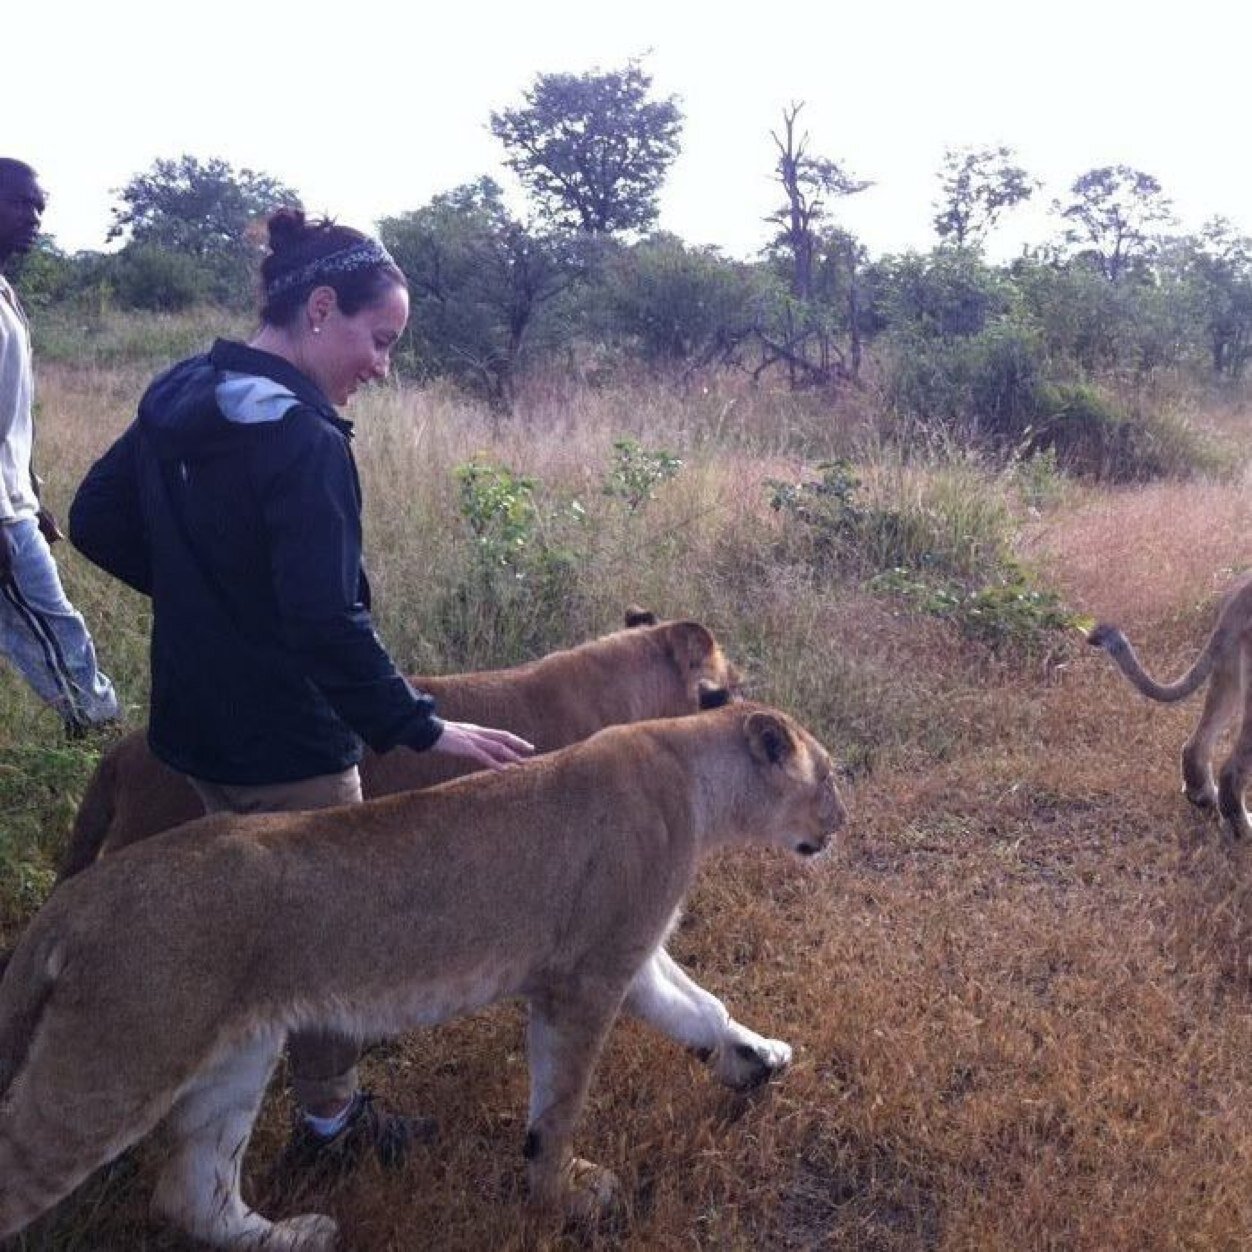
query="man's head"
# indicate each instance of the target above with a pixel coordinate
(22, 202)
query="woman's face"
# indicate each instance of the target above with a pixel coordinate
(344, 352)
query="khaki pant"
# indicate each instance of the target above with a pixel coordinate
(323, 1065)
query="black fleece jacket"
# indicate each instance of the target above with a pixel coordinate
(233, 501)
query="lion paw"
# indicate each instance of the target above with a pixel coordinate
(748, 1062)
(590, 1189)
(309, 1232)
(1204, 799)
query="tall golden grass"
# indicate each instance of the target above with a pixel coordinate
(1020, 990)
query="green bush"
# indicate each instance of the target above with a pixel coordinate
(947, 294)
(637, 472)
(144, 341)
(157, 279)
(676, 303)
(39, 788)
(945, 550)
(1089, 437)
(517, 589)
(1009, 615)
(993, 391)
(939, 522)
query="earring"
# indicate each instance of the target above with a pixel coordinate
(317, 330)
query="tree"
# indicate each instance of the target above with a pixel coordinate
(478, 279)
(1216, 269)
(808, 183)
(680, 305)
(1112, 217)
(202, 211)
(807, 243)
(592, 149)
(44, 274)
(945, 294)
(979, 184)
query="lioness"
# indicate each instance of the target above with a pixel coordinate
(143, 991)
(651, 669)
(1225, 660)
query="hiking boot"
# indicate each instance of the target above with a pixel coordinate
(368, 1129)
(92, 734)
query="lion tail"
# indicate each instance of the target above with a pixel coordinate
(1115, 643)
(29, 978)
(37, 1167)
(93, 820)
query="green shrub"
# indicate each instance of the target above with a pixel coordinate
(1089, 437)
(992, 391)
(941, 522)
(39, 788)
(1008, 615)
(142, 340)
(158, 279)
(522, 576)
(946, 550)
(637, 472)
(675, 303)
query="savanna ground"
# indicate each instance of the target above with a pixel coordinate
(1019, 990)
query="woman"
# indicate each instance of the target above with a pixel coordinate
(233, 501)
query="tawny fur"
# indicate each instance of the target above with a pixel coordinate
(652, 669)
(1223, 664)
(158, 984)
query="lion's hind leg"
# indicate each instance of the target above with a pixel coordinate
(1222, 704)
(59, 1123)
(665, 996)
(1235, 773)
(565, 1035)
(210, 1125)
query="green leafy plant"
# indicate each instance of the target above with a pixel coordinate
(39, 786)
(515, 597)
(499, 507)
(939, 525)
(1007, 615)
(636, 472)
(934, 549)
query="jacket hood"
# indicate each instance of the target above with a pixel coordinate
(180, 412)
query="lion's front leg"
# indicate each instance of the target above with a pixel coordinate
(565, 1035)
(665, 996)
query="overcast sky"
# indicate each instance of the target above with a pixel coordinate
(369, 109)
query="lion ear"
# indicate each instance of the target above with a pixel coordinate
(712, 695)
(690, 644)
(638, 616)
(770, 739)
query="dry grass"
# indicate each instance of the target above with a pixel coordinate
(1018, 991)
(1150, 555)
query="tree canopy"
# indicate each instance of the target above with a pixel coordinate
(1112, 215)
(978, 185)
(592, 149)
(199, 207)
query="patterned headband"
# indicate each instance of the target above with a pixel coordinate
(364, 255)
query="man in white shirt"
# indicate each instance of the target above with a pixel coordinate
(40, 631)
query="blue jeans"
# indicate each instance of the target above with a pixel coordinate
(45, 638)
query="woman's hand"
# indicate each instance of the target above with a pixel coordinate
(491, 748)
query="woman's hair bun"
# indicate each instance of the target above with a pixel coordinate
(286, 228)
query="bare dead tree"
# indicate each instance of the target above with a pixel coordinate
(809, 183)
